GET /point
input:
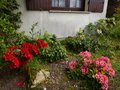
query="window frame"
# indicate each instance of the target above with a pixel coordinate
(67, 6)
(45, 5)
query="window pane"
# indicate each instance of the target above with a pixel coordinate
(55, 3)
(78, 3)
(61, 3)
(72, 3)
(58, 3)
(75, 3)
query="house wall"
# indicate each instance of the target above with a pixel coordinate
(62, 24)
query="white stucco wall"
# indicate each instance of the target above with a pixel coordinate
(60, 24)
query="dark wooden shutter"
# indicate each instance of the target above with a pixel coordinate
(38, 4)
(96, 5)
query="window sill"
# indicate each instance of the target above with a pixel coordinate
(60, 11)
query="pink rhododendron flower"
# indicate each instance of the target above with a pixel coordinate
(85, 54)
(103, 80)
(105, 87)
(111, 72)
(100, 63)
(72, 64)
(84, 70)
(87, 62)
(106, 59)
(99, 69)
(104, 64)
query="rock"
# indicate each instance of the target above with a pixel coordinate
(41, 76)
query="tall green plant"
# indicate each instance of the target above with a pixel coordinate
(9, 19)
(117, 14)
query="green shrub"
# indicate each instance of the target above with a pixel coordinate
(101, 27)
(2, 44)
(9, 21)
(55, 51)
(93, 37)
(76, 44)
(117, 14)
(115, 33)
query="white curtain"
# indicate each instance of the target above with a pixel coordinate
(75, 3)
(58, 3)
(61, 3)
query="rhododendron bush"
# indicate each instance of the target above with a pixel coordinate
(99, 69)
(18, 57)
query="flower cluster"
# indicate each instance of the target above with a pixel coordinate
(102, 79)
(72, 65)
(42, 44)
(10, 56)
(98, 69)
(85, 54)
(103, 64)
(18, 57)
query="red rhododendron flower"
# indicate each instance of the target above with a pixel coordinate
(28, 55)
(26, 45)
(22, 56)
(25, 50)
(16, 62)
(35, 48)
(9, 55)
(13, 48)
(42, 44)
(12, 66)
(20, 83)
(24, 61)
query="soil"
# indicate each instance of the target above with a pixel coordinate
(10, 80)
(57, 81)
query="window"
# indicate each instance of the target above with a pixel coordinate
(75, 5)
(67, 4)
(58, 3)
